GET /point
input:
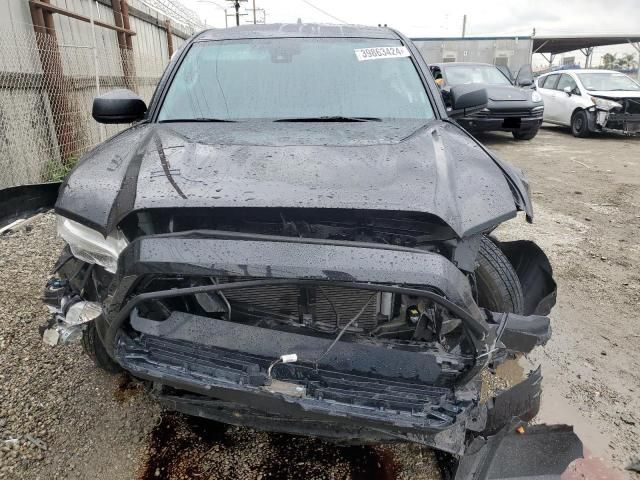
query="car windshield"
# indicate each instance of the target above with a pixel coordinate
(608, 81)
(296, 78)
(461, 74)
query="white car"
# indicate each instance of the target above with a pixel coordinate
(591, 101)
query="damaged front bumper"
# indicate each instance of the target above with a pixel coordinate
(356, 390)
(613, 120)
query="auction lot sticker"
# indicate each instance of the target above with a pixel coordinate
(377, 53)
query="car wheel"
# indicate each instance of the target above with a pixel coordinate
(498, 286)
(94, 348)
(524, 134)
(580, 124)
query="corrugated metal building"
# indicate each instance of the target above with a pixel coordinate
(514, 52)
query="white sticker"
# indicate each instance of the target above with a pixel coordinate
(377, 53)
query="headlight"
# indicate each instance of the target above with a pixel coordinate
(91, 246)
(605, 104)
(536, 97)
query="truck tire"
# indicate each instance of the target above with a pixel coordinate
(580, 124)
(498, 285)
(93, 347)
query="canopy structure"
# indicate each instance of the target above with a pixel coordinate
(552, 45)
(560, 44)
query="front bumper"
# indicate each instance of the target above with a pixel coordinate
(628, 124)
(365, 391)
(502, 120)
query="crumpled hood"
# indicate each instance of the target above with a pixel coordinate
(499, 93)
(397, 166)
(615, 93)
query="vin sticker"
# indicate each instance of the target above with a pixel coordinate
(381, 52)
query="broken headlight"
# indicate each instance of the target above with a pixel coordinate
(605, 104)
(91, 246)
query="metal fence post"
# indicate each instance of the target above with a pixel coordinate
(121, 17)
(95, 61)
(53, 79)
(167, 27)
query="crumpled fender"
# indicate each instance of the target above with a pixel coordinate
(25, 200)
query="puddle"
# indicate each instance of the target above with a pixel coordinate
(557, 409)
(189, 447)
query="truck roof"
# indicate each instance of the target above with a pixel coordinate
(301, 30)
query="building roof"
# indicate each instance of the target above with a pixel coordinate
(277, 30)
(554, 44)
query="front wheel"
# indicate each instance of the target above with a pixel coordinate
(497, 283)
(94, 348)
(580, 124)
(525, 134)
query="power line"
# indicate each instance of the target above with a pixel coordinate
(323, 11)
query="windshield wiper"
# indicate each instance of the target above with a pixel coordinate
(336, 118)
(203, 120)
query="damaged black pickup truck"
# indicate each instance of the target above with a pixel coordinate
(294, 236)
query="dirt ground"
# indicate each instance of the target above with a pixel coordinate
(62, 418)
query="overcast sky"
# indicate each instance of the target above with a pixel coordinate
(431, 18)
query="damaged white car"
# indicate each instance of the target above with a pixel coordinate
(591, 101)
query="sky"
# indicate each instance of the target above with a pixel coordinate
(432, 18)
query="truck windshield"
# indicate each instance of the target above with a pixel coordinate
(608, 81)
(461, 74)
(296, 78)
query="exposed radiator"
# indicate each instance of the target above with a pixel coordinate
(317, 303)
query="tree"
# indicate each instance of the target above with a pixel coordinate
(609, 61)
(626, 62)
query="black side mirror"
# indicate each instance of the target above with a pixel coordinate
(467, 99)
(118, 106)
(525, 76)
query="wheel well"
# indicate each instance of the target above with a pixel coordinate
(576, 110)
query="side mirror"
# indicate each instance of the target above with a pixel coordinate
(118, 106)
(567, 90)
(524, 77)
(467, 99)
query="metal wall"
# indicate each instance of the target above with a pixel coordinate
(511, 51)
(31, 149)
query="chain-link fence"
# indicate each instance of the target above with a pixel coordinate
(46, 94)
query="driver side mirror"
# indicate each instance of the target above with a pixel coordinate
(118, 106)
(524, 77)
(567, 90)
(466, 99)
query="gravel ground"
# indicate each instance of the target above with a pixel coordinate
(62, 418)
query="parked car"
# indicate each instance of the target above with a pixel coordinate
(294, 236)
(591, 101)
(513, 106)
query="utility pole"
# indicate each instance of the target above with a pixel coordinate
(464, 24)
(254, 12)
(236, 5)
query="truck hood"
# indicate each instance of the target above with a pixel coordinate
(433, 168)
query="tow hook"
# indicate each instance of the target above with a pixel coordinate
(69, 313)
